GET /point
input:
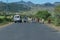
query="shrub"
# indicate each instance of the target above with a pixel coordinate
(43, 14)
(57, 22)
(1, 20)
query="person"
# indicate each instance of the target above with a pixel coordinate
(38, 20)
(29, 19)
(49, 21)
(43, 21)
(33, 20)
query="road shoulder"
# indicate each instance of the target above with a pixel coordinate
(53, 26)
(5, 25)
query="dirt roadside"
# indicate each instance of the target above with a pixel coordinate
(53, 26)
(2, 26)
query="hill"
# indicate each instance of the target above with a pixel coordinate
(26, 7)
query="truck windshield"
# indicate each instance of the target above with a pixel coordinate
(16, 16)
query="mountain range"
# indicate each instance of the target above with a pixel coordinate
(24, 6)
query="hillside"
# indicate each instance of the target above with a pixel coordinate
(26, 7)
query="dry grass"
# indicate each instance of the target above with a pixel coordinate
(4, 25)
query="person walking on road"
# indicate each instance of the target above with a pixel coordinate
(29, 19)
(43, 21)
(38, 20)
(49, 21)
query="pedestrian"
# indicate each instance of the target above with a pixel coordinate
(38, 20)
(29, 19)
(49, 21)
(43, 21)
(33, 20)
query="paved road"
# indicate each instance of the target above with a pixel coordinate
(28, 31)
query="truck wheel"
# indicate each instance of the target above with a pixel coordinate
(20, 21)
(15, 22)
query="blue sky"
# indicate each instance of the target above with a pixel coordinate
(34, 1)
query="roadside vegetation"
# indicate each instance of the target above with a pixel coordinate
(48, 12)
(54, 19)
(43, 14)
(57, 15)
(5, 19)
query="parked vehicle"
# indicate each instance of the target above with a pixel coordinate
(17, 18)
(25, 19)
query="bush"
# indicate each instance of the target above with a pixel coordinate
(57, 22)
(43, 14)
(8, 19)
(1, 20)
(5, 20)
(57, 15)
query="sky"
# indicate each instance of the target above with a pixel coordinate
(34, 1)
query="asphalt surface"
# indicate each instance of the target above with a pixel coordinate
(28, 31)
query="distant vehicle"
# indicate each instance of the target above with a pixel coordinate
(17, 18)
(25, 19)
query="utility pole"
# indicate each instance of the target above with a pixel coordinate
(6, 10)
(6, 7)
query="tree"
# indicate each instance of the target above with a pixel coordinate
(57, 15)
(57, 11)
(43, 14)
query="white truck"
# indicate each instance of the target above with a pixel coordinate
(17, 18)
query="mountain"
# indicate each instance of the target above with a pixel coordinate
(48, 5)
(2, 6)
(21, 2)
(57, 3)
(29, 3)
(14, 7)
(18, 7)
(25, 6)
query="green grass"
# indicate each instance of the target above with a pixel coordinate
(2, 16)
(4, 23)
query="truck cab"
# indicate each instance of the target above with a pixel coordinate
(17, 18)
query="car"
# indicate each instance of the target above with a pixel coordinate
(17, 18)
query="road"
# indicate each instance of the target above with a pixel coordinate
(29, 31)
